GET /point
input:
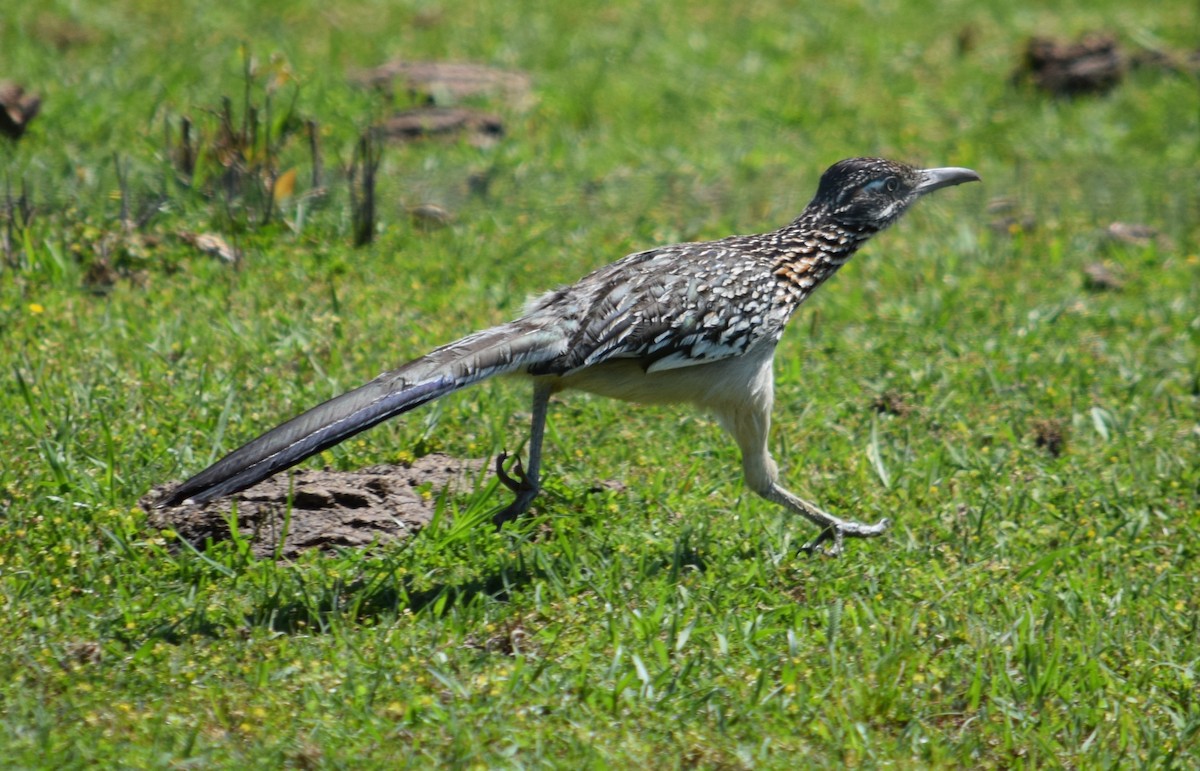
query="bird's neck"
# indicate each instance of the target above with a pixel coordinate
(816, 223)
(811, 249)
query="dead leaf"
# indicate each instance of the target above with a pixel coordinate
(285, 186)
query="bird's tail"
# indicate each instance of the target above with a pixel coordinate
(500, 350)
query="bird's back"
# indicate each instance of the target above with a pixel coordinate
(685, 304)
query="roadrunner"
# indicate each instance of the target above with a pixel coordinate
(694, 322)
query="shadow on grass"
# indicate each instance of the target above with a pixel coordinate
(385, 596)
(366, 600)
(296, 598)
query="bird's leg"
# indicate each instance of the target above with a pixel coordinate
(525, 485)
(750, 424)
(832, 528)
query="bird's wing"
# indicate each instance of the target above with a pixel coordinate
(676, 306)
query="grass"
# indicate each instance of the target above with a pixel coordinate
(1035, 605)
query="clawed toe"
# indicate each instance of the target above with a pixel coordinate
(518, 484)
(839, 531)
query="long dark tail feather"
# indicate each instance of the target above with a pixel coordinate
(495, 351)
(318, 429)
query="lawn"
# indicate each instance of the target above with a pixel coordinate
(1011, 378)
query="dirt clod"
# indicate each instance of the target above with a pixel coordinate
(891, 402)
(1099, 277)
(17, 109)
(1051, 435)
(329, 509)
(481, 128)
(1092, 65)
(440, 82)
(1134, 234)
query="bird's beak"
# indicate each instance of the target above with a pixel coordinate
(935, 179)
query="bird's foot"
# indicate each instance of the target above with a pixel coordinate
(524, 488)
(839, 530)
(519, 484)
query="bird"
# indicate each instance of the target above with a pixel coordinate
(690, 323)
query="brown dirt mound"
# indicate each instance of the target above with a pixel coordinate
(329, 509)
(1092, 65)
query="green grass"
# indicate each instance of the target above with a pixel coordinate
(1028, 609)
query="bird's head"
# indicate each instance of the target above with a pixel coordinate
(868, 194)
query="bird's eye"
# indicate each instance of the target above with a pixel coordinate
(888, 184)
